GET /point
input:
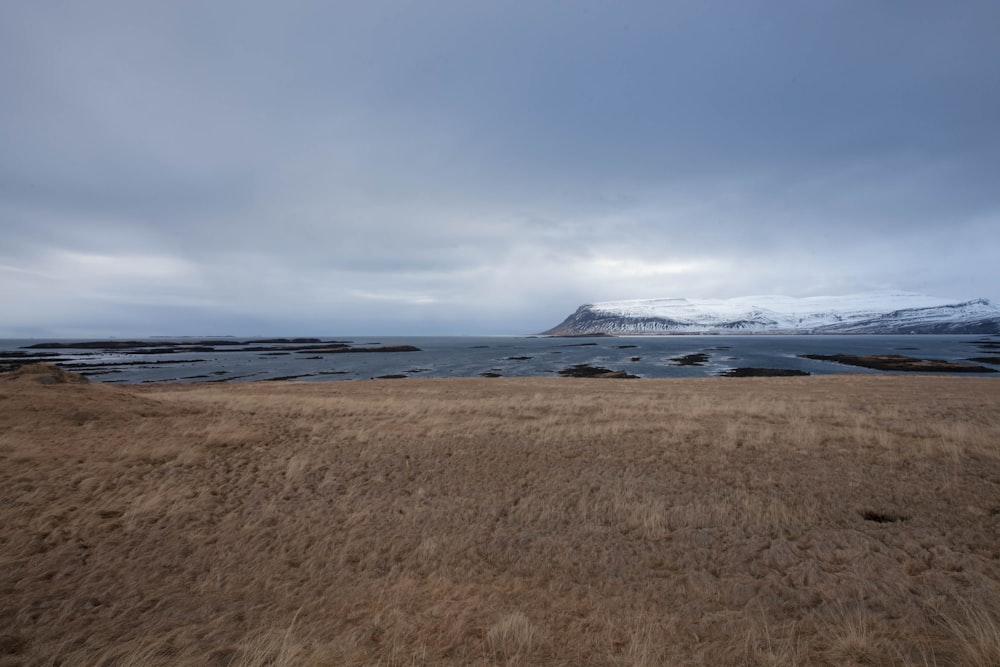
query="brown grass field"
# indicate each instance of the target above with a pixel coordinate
(837, 520)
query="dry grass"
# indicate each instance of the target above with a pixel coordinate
(504, 521)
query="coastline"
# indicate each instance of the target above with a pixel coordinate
(352, 358)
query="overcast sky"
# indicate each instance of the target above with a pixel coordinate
(477, 167)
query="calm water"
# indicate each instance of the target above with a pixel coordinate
(472, 356)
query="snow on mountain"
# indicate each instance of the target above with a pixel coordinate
(877, 312)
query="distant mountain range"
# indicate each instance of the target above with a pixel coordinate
(872, 313)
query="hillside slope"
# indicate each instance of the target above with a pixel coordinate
(874, 313)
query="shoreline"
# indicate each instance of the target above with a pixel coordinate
(491, 357)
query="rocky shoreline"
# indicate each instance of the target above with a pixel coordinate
(307, 358)
(74, 355)
(899, 362)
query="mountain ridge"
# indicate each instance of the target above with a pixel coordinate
(867, 313)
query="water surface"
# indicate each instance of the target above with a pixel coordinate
(510, 356)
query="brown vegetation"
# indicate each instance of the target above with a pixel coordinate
(831, 520)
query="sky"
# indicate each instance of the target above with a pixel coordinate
(483, 167)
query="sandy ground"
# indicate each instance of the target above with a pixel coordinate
(836, 520)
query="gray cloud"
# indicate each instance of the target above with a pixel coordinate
(449, 167)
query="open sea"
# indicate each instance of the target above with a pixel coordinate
(507, 356)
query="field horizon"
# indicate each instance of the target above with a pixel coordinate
(824, 520)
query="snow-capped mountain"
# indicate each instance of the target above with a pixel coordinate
(873, 313)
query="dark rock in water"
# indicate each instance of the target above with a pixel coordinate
(635, 358)
(490, 374)
(131, 344)
(99, 345)
(287, 348)
(516, 358)
(762, 373)
(381, 348)
(393, 376)
(897, 362)
(13, 361)
(985, 360)
(37, 356)
(222, 379)
(588, 371)
(82, 366)
(624, 347)
(697, 359)
(192, 345)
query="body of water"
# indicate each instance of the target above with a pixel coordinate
(443, 356)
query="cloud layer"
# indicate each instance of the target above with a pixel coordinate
(453, 167)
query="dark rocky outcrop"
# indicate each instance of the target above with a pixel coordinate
(985, 360)
(696, 359)
(129, 344)
(151, 348)
(588, 371)
(898, 362)
(380, 348)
